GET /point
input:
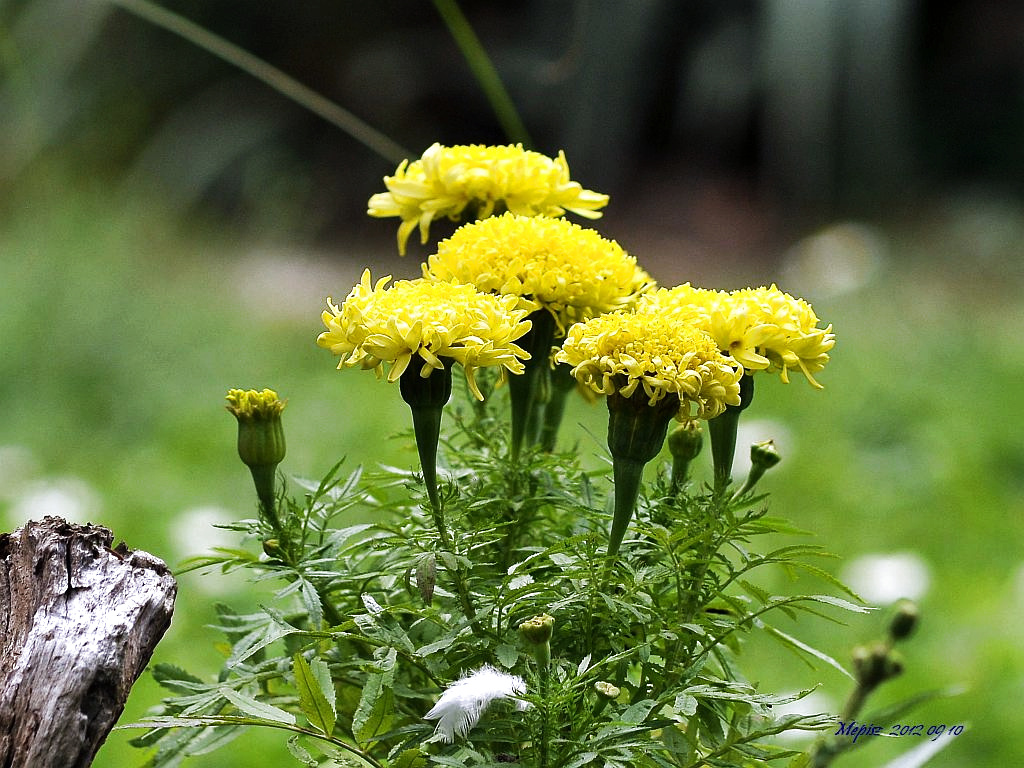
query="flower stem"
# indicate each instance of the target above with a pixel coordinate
(272, 76)
(562, 383)
(483, 70)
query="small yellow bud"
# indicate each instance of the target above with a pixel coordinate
(260, 441)
(260, 434)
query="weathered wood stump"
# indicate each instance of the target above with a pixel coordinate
(78, 624)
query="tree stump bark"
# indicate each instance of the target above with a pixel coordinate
(78, 624)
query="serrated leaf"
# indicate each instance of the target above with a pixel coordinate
(373, 714)
(171, 677)
(410, 758)
(258, 709)
(803, 647)
(300, 753)
(257, 640)
(311, 602)
(316, 695)
(507, 655)
(638, 712)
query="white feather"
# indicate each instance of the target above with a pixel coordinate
(461, 705)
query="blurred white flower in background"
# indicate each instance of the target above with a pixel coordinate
(882, 579)
(464, 701)
(68, 497)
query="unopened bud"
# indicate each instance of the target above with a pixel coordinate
(684, 443)
(875, 664)
(260, 440)
(426, 576)
(763, 456)
(260, 434)
(538, 629)
(272, 548)
(606, 690)
(905, 621)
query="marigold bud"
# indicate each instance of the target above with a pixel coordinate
(261, 443)
(538, 630)
(763, 456)
(684, 443)
(260, 434)
(905, 621)
(606, 690)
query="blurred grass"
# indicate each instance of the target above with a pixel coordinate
(123, 326)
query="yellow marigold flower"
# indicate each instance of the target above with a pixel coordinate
(448, 180)
(622, 353)
(429, 320)
(763, 329)
(571, 271)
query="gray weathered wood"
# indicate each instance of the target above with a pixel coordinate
(78, 624)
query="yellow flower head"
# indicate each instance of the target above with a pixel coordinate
(252, 405)
(763, 329)
(429, 320)
(622, 352)
(571, 271)
(447, 180)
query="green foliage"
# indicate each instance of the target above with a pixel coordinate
(371, 622)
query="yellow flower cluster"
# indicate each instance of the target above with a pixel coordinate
(447, 180)
(250, 404)
(762, 329)
(571, 271)
(430, 320)
(622, 352)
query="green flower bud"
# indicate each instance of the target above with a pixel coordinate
(763, 456)
(261, 443)
(260, 435)
(426, 576)
(538, 629)
(875, 664)
(905, 621)
(684, 443)
(272, 548)
(723, 428)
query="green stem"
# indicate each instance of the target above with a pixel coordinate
(562, 383)
(287, 86)
(483, 70)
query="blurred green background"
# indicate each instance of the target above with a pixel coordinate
(169, 228)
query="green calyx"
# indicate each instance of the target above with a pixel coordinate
(426, 397)
(530, 391)
(636, 433)
(723, 428)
